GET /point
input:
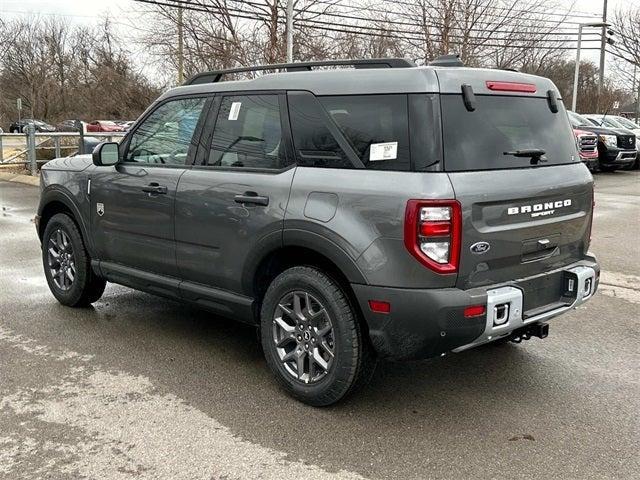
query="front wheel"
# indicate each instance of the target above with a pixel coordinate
(67, 265)
(312, 339)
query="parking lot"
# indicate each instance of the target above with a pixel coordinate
(142, 387)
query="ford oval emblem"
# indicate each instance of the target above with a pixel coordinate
(480, 247)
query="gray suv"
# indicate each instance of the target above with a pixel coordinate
(381, 211)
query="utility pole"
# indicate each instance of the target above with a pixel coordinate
(603, 44)
(289, 31)
(180, 48)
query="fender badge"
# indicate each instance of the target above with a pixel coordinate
(100, 208)
(480, 247)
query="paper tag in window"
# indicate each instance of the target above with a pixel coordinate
(235, 110)
(383, 151)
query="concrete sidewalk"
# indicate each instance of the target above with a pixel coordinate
(16, 177)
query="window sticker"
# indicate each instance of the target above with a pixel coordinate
(383, 151)
(235, 110)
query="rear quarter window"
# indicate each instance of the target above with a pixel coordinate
(376, 126)
(478, 140)
(392, 132)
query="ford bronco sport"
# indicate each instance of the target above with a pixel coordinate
(382, 211)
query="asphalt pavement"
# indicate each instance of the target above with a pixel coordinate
(142, 387)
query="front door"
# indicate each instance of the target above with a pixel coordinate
(133, 203)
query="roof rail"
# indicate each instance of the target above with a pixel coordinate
(216, 75)
(447, 61)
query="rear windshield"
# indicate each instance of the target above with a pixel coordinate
(500, 126)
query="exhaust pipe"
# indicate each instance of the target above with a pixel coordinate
(540, 330)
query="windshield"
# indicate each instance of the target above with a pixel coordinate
(578, 120)
(607, 122)
(625, 122)
(505, 132)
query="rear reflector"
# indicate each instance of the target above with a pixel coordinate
(474, 311)
(379, 306)
(511, 87)
(430, 229)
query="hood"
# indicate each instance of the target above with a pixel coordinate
(72, 164)
(603, 130)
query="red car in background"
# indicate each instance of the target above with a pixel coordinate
(587, 147)
(104, 126)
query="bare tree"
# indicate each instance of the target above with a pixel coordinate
(62, 71)
(626, 22)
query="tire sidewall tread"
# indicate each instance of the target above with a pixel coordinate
(350, 344)
(87, 287)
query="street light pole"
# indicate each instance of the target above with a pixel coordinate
(574, 100)
(603, 44)
(289, 31)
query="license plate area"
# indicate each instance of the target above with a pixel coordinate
(548, 289)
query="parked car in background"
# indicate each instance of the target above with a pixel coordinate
(614, 121)
(628, 124)
(616, 146)
(104, 126)
(40, 126)
(587, 143)
(125, 124)
(67, 126)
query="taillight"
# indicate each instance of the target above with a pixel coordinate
(432, 232)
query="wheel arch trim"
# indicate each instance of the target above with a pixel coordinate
(55, 194)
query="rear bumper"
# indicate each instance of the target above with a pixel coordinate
(427, 323)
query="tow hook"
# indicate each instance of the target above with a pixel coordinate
(540, 330)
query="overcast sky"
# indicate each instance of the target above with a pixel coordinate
(90, 11)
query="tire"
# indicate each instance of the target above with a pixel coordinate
(353, 361)
(81, 286)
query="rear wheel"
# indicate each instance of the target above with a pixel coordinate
(311, 337)
(67, 265)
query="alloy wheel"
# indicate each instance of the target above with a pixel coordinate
(61, 260)
(303, 336)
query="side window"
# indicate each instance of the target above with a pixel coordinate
(164, 137)
(315, 145)
(248, 133)
(377, 127)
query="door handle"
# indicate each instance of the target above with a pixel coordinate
(155, 188)
(253, 198)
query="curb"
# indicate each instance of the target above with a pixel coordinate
(25, 179)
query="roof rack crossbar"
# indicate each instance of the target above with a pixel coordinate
(216, 75)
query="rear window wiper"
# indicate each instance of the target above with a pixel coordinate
(535, 154)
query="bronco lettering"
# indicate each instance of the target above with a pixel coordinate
(539, 209)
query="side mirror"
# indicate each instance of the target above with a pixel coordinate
(106, 154)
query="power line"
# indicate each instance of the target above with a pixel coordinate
(564, 14)
(359, 29)
(406, 14)
(456, 31)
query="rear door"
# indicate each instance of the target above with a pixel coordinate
(526, 198)
(133, 203)
(230, 206)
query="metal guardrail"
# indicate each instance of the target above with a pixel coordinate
(37, 141)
